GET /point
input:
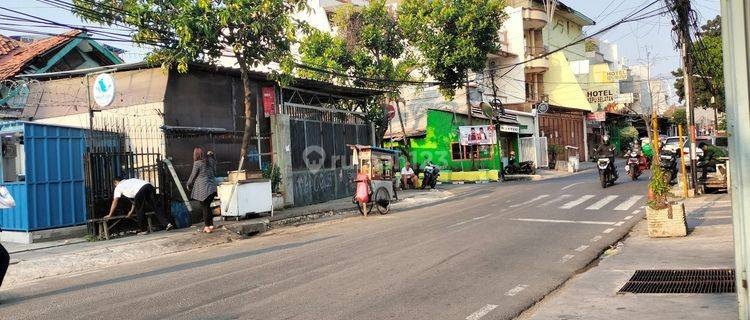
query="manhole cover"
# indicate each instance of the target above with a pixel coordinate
(681, 281)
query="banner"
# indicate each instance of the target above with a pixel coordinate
(475, 135)
(269, 100)
(600, 116)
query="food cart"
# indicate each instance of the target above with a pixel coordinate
(375, 176)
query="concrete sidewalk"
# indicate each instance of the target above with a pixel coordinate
(30, 262)
(593, 293)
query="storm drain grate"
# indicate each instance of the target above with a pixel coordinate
(681, 281)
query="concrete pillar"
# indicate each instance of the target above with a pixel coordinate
(282, 146)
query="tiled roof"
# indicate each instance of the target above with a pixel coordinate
(14, 55)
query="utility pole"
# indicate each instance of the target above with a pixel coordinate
(682, 8)
(472, 148)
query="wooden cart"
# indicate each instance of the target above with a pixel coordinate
(375, 168)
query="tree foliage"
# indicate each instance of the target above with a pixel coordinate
(679, 116)
(708, 62)
(452, 37)
(368, 49)
(257, 32)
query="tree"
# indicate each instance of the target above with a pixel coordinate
(452, 37)
(708, 80)
(256, 32)
(368, 49)
(679, 116)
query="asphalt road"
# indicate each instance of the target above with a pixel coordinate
(489, 253)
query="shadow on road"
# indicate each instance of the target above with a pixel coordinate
(10, 300)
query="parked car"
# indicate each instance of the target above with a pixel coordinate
(672, 144)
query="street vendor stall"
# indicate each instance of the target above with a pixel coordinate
(375, 178)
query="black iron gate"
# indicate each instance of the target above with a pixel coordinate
(102, 165)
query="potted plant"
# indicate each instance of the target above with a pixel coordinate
(552, 151)
(273, 173)
(665, 218)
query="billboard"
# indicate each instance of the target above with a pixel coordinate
(476, 135)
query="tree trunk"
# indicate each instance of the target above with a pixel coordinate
(249, 116)
(407, 145)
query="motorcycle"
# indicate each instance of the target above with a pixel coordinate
(607, 171)
(525, 167)
(668, 163)
(431, 174)
(636, 165)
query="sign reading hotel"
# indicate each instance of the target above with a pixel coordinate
(616, 75)
(598, 96)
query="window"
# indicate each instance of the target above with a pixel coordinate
(481, 152)
(13, 158)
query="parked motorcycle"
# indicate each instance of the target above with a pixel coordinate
(525, 167)
(636, 164)
(431, 174)
(607, 171)
(668, 163)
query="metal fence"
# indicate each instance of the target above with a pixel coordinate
(102, 165)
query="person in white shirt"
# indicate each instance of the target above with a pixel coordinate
(407, 174)
(6, 202)
(140, 193)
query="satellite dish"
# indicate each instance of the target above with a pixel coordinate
(542, 107)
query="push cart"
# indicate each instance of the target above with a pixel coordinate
(375, 178)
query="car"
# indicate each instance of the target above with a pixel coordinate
(672, 143)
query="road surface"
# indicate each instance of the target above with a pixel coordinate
(488, 253)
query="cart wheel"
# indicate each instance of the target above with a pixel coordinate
(382, 201)
(364, 208)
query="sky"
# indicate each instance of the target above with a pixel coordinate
(634, 39)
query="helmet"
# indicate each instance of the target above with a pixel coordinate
(605, 138)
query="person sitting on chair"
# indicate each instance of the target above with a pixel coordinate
(408, 175)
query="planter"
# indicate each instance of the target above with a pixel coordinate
(278, 201)
(552, 161)
(561, 165)
(667, 222)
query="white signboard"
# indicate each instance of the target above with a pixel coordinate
(104, 89)
(598, 96)
(507, 128)
(617, 75)
(625, 98)
(475, 135)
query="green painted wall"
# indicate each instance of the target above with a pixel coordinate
(435, 146)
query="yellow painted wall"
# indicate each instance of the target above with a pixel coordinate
(561, 85)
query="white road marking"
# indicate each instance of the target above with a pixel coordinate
(541, 196)
(571, 185)
(567, 258)
(602, 202)
(482, 217)
(481, 312)
(493, 205)
(508, 201)
(565, 221)
(608, 230)
(458, 224)
(643, 207)
(637, 211)
(628, 217)
(625, 205)
(595, 239)
(484, 197)
(619, 223)
(581, 248)
(558, 199)
(576, 202)
(516, 290)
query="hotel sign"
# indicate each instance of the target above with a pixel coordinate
(598, 96)
(616, 75)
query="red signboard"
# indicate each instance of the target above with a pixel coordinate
(597, 116)
(269, 101)
(391, 112)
